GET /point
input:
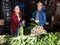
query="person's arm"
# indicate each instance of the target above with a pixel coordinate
(22, 23)
(43, 21)
(14, 19)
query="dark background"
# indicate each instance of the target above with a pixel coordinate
(27, 9)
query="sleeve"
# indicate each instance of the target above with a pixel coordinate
(44, 17)
(43, 21)
(14, 19)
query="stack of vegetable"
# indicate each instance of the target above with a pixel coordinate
(45, 39)
(23, 40)
(2, 39)
(38, 30)
(49, 39)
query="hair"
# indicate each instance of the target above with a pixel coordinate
(41, 1)
(20, 13)
(38, 3)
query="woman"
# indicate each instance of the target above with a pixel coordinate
(16, 21)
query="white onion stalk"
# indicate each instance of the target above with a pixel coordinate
(37, 21)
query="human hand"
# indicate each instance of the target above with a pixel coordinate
(23, 22)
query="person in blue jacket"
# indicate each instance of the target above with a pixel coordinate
(40, 14)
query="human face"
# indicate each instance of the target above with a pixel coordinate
(17, 9)
(39, 6)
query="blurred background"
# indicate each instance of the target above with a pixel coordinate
(27, 7)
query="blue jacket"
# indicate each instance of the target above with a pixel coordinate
(42, 17)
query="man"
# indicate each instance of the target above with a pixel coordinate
(40, 14)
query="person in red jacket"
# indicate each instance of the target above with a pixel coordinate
(16, 20)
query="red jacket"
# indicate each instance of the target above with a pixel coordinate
(15, 23)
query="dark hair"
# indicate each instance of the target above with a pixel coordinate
(39, 1)
(20, 13)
